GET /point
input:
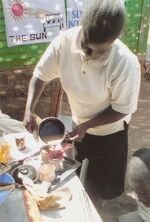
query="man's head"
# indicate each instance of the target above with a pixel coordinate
(138, 175)
(102, 22)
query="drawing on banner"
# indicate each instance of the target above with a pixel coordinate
(53, 20)
(17, 10)
(26, 23)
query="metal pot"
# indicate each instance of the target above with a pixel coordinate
(52, 131)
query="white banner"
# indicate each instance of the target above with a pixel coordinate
(33, 21)
(74, 12)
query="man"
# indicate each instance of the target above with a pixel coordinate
(138, 177)
(101, 78)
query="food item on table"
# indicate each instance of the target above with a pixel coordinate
(55, 200)
(20, 142)
(5, 153)
(47, 172)
(49, 202)
(31, 207)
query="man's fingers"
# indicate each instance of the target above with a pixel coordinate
(75, 138)
(35, 135)
(31, 125)
(28, 127)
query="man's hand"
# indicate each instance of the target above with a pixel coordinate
(36, 88)
(78, 133)
(30, 122)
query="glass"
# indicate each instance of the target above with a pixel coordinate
(47, 172)
(56, 154)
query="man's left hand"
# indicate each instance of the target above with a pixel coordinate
(78, 133)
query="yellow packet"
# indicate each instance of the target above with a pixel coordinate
(5, 155)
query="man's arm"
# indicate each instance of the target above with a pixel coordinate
(36, 87)
(108, 116)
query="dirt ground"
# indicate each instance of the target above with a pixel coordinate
(139, 136)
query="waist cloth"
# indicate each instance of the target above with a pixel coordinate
(107, 157)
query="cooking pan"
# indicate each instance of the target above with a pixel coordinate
(52, 131)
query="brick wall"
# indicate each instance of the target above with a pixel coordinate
(13, 94)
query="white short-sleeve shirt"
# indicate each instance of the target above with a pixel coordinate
(92, 86)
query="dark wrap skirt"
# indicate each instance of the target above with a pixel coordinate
(107, 163)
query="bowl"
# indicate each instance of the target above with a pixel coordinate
(24, 170)
(5, 178)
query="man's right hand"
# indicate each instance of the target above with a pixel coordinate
(30, 123)
(36, 87)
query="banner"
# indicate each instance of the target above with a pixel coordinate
(33, 21)
(74, 12)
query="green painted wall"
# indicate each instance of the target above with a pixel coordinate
(135, 36)
(136, 30)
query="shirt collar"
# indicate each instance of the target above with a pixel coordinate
(76, 44)
(76, 48)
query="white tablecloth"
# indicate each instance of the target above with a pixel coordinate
(13, 209)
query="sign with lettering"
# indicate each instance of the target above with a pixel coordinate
(74, 12)
(30, 21)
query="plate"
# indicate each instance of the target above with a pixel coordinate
(31, 145)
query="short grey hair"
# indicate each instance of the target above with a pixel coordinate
(103, 20)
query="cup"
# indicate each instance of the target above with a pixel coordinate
(20, 142)
(47, 172)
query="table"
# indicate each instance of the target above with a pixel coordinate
(13, 208)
